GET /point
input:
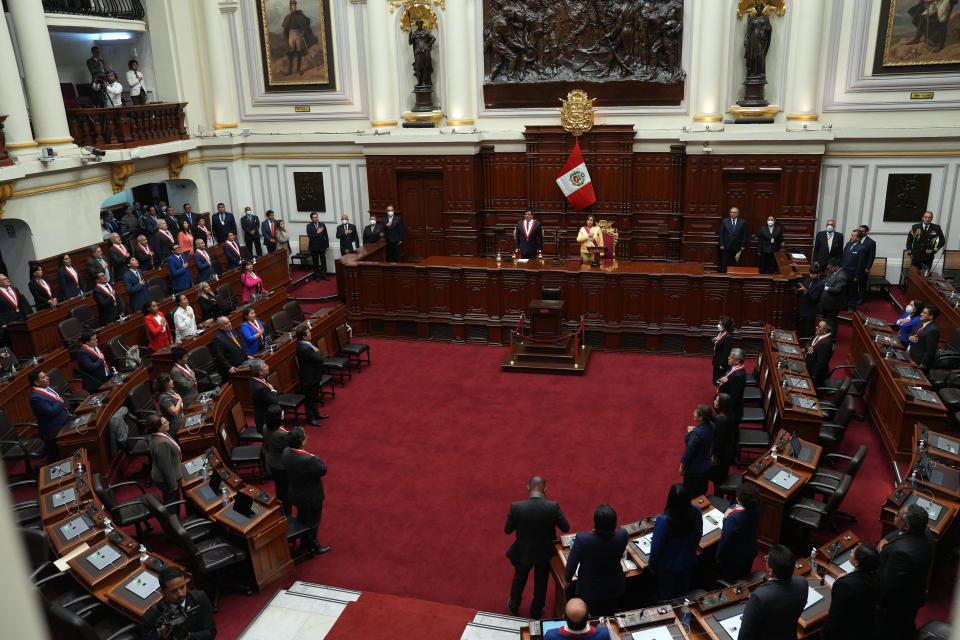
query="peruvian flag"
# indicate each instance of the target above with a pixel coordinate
(574, 181)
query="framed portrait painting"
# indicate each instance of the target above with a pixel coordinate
(295, 45)
(918, 36)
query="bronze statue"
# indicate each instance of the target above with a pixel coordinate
(422, 42)
(756, 43)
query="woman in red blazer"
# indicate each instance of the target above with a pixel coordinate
(158, 329)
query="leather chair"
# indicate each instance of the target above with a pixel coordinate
(70, 330)
(280, 324)
(140, 402)
(352, 350)
(729, 485)
(162, 283)
(336, 365)
(753, 439)
(212, 557)
(156, 293)
(934, 630)
(293, 310)
(227, 298)
(69, 624)
(940, 378)
(812, 515)
(244, 455)
(197, 527)
(125, 358)
(826, 481)
(84, 313)
(37, 544)
(14, 447)
(832, 431)
(950, 396)
(26, 512)
(291, 403)
(829, 407)
(63, 386)
(861, 373)
(201, 361)
(132, 511)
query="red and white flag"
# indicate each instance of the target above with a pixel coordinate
(574, 181)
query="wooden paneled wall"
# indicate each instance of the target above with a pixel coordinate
(666, 206)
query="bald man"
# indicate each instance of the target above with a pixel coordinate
(577, 624)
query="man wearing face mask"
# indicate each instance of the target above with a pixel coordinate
(347, 235)
(810, 291)
(393, 233)
(250, 224)
(852, 264)
(828, 244)
(769, 241)
(373, 232)
(834, 295)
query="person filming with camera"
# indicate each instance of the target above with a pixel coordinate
(181, 614)
(111, 91)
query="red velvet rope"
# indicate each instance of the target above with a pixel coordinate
(520, 334)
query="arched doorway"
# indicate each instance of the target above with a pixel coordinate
(16, 250)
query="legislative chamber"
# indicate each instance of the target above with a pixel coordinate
(300, 298)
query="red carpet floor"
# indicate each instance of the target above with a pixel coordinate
(381, 616)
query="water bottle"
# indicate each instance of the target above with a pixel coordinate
(79, 468)
(204, 471)
(499, 259)
(813, 559)
(224, 496)
(116, 376)
(143, 554)
(309, 324)
(107, 525)
(216, 277)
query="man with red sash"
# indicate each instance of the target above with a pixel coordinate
(119, 257)
(201, 258)
(577, 624)
(734, 381)
(184, 378)
(231, 251)
(49, 409)
(91, 363)
(721, 347)
(108, 300)
(143, 252)
(818, 354)
(305, 473)
(529, 235)
(163, 242)
(227, 349)
(13, 306)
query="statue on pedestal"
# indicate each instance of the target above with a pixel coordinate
(756, 43)
(422, 42)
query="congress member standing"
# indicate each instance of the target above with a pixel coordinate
(393, 234)
(732, 237)
(319, 243)
(834, 296)
(923, 241)
(310, 365)
(347, 235)
(828, 244)
(90, 362)
(817, 357)
(535, 521)
(49, 410)
(869, 256)
(852, 264)
(373, 232)
(44, 297)
(595, 558)
(577, 624)
(774, 608)
(698, 442)
(923, 343)
(305, 473)
(722, 345)
(228, 351)
(853, 597)
(529, 235)
(769, 241)
(733, 382)
(905, 557)
(738, 537)
(250, 224)
(589, 238)
(223, 222)
(676, 536)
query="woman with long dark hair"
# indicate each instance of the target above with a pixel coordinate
(910, 320)
(738, 538)
(673, 550)
(724, 447)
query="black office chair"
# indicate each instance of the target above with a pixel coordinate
(832, 432)
(934, 630)
(70, 330)
(37, 544)
(291, 403)
(729, 485)
(950, 397)
(829, 408)
(105, 625)
(754, 416)
(63, 386)
(162, 283)
(132, 511)
(352, 350)
(84, 313)
(860, 375)
(826, 481)
(297, 531)
(336, 365)
(227, 298)
(140, 402)
(812, 515)
(156, 292)
(198, 527)
(293, 310)
(280, 323)
(201, 361)
(26, 512)
(13, 446)
(125, 358)
(944, 378)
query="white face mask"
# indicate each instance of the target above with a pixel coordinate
(389, 214)
(719, 327)
(830, 228)
(373, 222)
(909, 308)
(343, 221)
(769, 223)
(249, 212)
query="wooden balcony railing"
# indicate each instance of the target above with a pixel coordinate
(126, 127)
(122, 9)
(5, 159)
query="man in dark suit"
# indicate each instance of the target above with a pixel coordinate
(853, 597)
(310, 364)
(373, 232)
(49, 410)
(923, 343)
(529, 236)
(250, 224)
(109, 303)
(181, 278)
(231, 251)
(828, 244)
(227, 348)
(818, 354)
(722, 345)
(905, 557)
(172, 220)
(535, 520)
(222, 223)
(150, 223)
(810, 291)
(44, 297)
(97, 263)
(269, 231)
(869, 255)
(305, 473)
(91, 363)
(834, 296)
(119, 256)
(188, 217)
(734, 381)
(163, 242)
(143, 252)
(136, 285)
(319, 242)
(262, 393)
(393, 234)
(852, 264)
(347, 235)
(193, 604)
(732, 237)
(13, 306)
(774, 607)
(923, 241)
(597, 554)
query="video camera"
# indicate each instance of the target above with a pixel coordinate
(174, 620)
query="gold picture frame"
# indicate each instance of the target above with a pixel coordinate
(296, 48)
(915, 36)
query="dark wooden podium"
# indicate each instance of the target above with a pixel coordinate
(545, 349)
(546, 318)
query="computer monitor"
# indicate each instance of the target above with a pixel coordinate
(215, 481)
(550, 293)
(243, 504)
(795, 446)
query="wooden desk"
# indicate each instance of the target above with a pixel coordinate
(653, 306)
(892, 406)
(946, 509)
(774, 497)
(73, 529)
(808, 457)
(76, 493)
(53, 476)
(15, 391)
(834, 555)
(38, 333)
(941, 447)
(937, 292)
(786, 388)
(93, 578)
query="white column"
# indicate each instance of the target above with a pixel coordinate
(381, 65)
(40, 71)
(224, 90)
(12, 103)
(460, 71)
(806, 46)
(711, 20)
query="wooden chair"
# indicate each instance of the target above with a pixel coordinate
(951, 264)
(905, 263)
(302, 257)
(877, 277)
(610, 239)
(352, 350)
(336, 365)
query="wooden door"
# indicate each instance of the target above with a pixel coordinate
(421, 207)
(757, 198)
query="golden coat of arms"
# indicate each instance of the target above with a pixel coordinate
(576, 116)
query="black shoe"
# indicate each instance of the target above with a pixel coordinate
(536, 615)
(322, 416)
(326, 277)
(320, 550)
(315, 422)
(514, 609)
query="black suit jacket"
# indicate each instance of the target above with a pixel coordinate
(818, 362)
(393, 233)
(601, 576)
(200, 621)
(310, 363)
(226, 353)
(162, 248)
(529, 248)
(535, 520)
(149, 226)
(834, 290)
(810, 300)
(220, 229)
(319, 240)
(853, 604)
(734, 387)
(145, 259)
(68, 288)
(852, 260)
(251, 228)
(765, 235)
(118, 262)
(821, 253)
(93, 370)
(110, 307)
(262, 398)
(773, 610)
(904, 562)
(924, 351)
(347, 240)
(94, 265)
(721, 351)
(732, 239)
(9, 313)
(371, 235)
(305, 474)
(40, 298)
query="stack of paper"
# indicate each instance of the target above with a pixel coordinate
(813, 597)
(732, 626)
(644, 543)
(712, 520)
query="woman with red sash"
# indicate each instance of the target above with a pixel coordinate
(165, 458)
(254, 335)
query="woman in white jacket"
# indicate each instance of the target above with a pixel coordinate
(138, 90)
